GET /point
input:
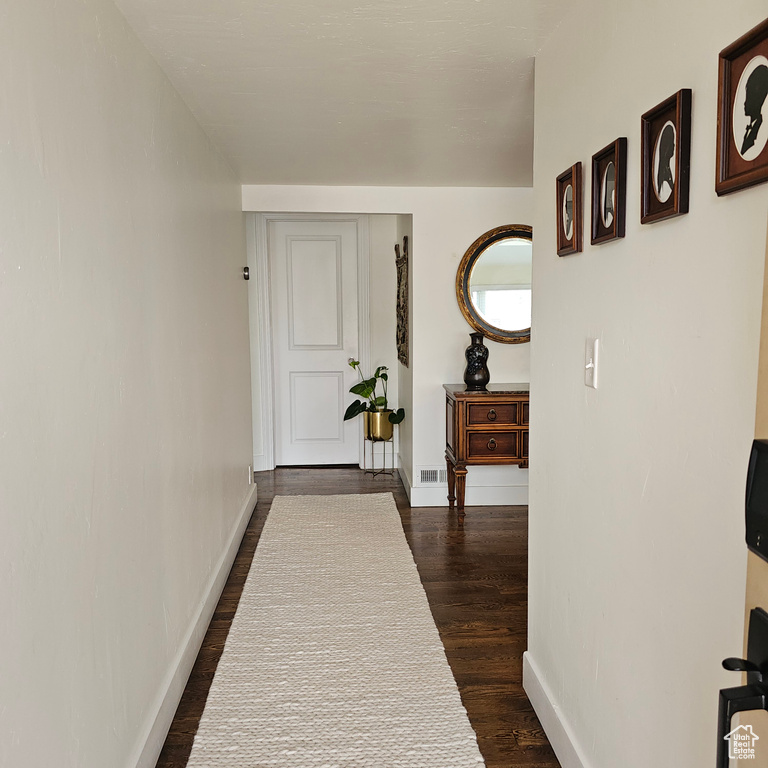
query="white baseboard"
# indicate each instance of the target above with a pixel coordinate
(555, 726)
(260, 463)
(150, 747)
(475, 495)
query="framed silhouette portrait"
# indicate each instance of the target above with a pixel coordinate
(666, 153)
(570, 211)
(609, 192)
(742, 112)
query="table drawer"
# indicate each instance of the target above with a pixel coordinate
(506, 414)
(493, 445)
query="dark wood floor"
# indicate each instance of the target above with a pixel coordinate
(475, 578)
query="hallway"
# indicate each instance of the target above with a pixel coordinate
(476, 583)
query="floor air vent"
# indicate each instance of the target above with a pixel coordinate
(435, 475)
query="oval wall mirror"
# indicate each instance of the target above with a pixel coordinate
(493, 284)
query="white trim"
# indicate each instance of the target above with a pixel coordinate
(436, 495)
(260, 341)
(363, 308)
(261, 319)
(167, 702)
(260, 463)
(559, 732)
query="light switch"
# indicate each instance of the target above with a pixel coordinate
(590, 362)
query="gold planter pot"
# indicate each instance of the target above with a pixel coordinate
(377, 426)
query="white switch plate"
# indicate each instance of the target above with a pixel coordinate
(591, 350)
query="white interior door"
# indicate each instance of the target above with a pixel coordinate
(313, 269)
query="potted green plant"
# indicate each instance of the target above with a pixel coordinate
(378, 418)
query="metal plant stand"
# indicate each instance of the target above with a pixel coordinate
(383, 470)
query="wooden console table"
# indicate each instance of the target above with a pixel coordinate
(483, 428)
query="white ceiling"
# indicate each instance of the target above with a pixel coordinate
(372, 92)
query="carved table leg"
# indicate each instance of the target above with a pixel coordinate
(451, 483)
(460, 470)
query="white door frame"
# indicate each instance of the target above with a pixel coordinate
(260, 319)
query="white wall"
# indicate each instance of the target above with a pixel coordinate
(382, 301)
(637, 560)
(405, 373)
(124, 386)
(446, 221)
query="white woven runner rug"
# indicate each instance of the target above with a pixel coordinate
(333, 659)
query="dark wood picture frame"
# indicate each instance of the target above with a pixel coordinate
(571, 178)
(666, 157)
(742, 112)
(609, 208)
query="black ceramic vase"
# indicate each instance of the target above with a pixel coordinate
(476, 376)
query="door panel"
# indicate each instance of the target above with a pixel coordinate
(313, 272)
(314, 291)
(308, 422)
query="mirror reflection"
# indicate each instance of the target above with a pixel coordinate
(608, 194)
(568, 212)
(493, 284)
(500, 284)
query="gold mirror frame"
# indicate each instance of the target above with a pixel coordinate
(471, 315)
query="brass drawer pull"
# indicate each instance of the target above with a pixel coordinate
(491, 415)
(492, 444)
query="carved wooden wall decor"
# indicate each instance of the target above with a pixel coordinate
(401, 262)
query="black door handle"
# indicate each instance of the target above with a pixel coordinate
(742, 698)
